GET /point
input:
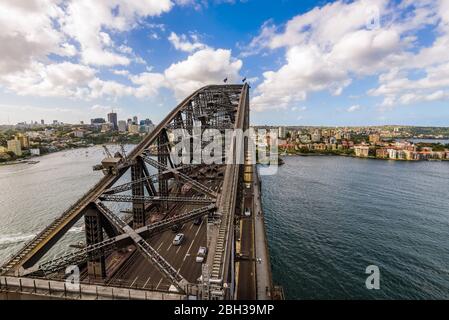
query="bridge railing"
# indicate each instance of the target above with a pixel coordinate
(63, 290)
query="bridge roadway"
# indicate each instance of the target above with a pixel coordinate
(136, 272)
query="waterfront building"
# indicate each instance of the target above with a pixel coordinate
(35, 152)
(382, 153)
(410, 155)
(15, 147)
(392, 153)
(319, 146)
(361, 151)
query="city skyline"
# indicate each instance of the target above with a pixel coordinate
(384, 61)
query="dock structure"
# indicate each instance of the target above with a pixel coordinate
(133, 256)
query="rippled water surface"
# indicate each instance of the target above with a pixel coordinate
(328, 218)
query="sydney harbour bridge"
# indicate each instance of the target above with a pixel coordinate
(223, 253)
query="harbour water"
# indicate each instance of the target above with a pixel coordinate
(328, 218)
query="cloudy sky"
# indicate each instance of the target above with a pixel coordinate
(364, 62)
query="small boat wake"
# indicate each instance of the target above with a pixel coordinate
(76, 229)
(9, 239)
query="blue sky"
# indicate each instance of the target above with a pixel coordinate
(332, 63)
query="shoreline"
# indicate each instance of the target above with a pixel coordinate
(35, 159)
(353, 156)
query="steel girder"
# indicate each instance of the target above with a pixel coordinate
(109, 245)
(146, 199)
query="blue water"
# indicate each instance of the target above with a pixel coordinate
(328, 218)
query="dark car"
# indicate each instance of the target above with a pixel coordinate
(176, 228)
(197, 221)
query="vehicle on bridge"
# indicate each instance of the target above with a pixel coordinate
(202, 252)
(177, 241)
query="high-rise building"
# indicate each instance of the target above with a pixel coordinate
(97, 121)
(146, 122)
(15, 147)
(135, 120)
(282, 132)
(122, 126)
(112, 119)
(42, 122)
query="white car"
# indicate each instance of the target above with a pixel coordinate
(247, 212)
(202, 251)
(178, 239)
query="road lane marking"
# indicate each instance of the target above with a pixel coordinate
(146, 282)
(170, 246)
(199, 228)
(160, 246)
(159, 283)
(134, 281)
(188, 250)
